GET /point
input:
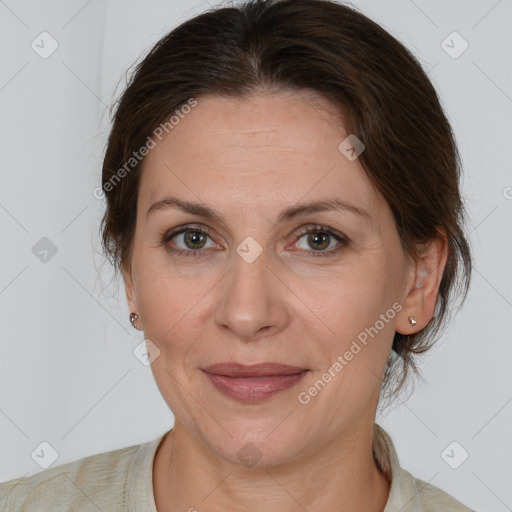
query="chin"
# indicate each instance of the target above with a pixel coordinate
(256, 445)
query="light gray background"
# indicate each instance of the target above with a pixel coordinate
(67, 372)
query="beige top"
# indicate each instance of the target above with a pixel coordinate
(121, 480)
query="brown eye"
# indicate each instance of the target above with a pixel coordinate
(188, 241)
(320, 241)
(194, 239)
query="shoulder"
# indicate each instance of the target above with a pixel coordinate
(407, 493)
(425, 497)
(92, 483)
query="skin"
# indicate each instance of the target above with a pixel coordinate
(248, 159)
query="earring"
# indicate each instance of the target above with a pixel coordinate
(133, 317)
(412, 321)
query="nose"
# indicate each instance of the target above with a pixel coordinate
(252, 300)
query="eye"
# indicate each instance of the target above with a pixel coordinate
(321, 240)
(189, 240)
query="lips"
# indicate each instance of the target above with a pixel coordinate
(255, 383)
(255, 370)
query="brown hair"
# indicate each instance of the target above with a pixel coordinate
(381, 90)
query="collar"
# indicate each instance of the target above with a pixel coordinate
(404, 494)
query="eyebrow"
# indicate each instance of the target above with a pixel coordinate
(298, 210)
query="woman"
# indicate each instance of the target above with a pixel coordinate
(283, 203)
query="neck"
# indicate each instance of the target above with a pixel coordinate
(341, 476)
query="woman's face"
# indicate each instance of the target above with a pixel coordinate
(253, 286)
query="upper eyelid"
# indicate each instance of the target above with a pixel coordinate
(187, 227)
(317, 227)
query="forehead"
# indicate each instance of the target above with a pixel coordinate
(269, 147)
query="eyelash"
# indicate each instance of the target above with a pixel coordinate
(343, 240)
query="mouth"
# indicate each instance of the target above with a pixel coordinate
(254, 383)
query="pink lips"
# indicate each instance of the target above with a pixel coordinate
(253, 383)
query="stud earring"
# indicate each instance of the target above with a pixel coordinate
(133, 317)
(412, 321)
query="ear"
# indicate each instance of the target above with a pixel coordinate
(423, 285)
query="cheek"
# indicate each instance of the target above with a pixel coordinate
(360, 312)
(358, 307)
(350, 297)
(171, 301)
